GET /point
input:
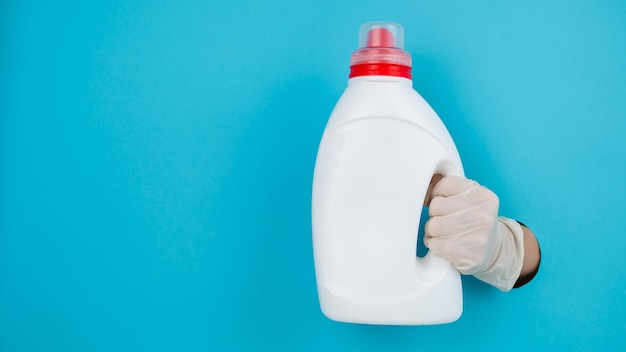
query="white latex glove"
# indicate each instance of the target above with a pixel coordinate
(464, 228)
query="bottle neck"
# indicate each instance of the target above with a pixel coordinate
(385, 79)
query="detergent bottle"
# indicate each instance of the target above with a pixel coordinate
(380, 148)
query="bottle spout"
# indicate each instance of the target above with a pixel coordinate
(381, 35)
(380, 38)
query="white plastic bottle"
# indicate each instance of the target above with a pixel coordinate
(380, 149)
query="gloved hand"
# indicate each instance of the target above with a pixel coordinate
(464, 228)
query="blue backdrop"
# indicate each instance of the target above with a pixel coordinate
(157, 157)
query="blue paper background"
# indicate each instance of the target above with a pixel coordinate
(157, 157)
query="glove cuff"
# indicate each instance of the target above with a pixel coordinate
(505, 267)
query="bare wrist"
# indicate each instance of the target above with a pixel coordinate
(532, 258)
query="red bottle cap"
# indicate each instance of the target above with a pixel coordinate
(381, 51)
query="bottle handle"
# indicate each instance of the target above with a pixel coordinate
(431, 267)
